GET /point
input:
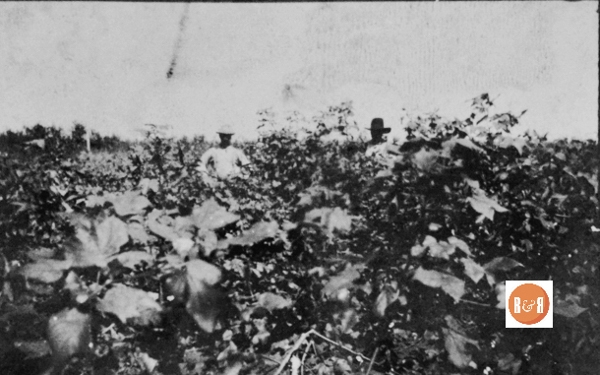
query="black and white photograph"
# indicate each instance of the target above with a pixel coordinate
(299, 188)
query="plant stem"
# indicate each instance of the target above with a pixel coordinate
(341, 346)
(372, 360)
(475, 303)
(304, 357)
(294, 348)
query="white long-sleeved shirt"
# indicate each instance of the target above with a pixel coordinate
(379, 150)
(224, 162)
(383, 149)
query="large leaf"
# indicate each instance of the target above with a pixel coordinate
(173, 261)
(212, 216)
(314, 216)
(69, 334)
(33, 349)
(315, 195)
(473, 184)
(41, 143)
(508, 141)
(330, 219)
(501, 264)
(419, 250)
(234, 368)
(146, 362)
(340, 367)
(204, 305)
(592, 179)
(339, 220)
(231, 351)
(112, 234)
(505, 121)
(175, 287)
(257, 233)
(426, 160)
(209, 242)
(158, 224)
(45, 270)
(199, 271)
(388, 295)
(460, 244)
(96, 200)
(98, 241)
(130, 259)
(161, 230)
(77, 288)
(205, 301)
(456, 345)
(449, 145)
(484, 205)
(568, 309)
(184, 226)
(441, 249)
(453, 286)
(137, 232)
(130, 203)
(271, 301)
(40, 253)
(473, 270)
(344, 280)
(183, 246)
(509, 364)
(148, 184)
(130, 304)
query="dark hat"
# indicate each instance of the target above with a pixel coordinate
(377, 125)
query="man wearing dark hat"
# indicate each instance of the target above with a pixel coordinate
(378, 145)
(223, 161)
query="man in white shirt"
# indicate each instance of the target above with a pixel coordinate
(223, 161)
(378, 145)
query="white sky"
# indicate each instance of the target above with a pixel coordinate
(105, 64)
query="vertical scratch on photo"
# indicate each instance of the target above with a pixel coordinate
(178, 42)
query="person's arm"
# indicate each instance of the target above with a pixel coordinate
(370, 151)
(244, 162)
(205, 159)
(375, 150)
(393, 149)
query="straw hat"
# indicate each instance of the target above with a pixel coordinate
(225, 129)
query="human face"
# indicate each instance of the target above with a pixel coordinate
(225, 139)
(377, 135)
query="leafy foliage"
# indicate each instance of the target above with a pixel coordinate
(130, 305)
(372, 265)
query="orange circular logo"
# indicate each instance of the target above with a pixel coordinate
(528, 304)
